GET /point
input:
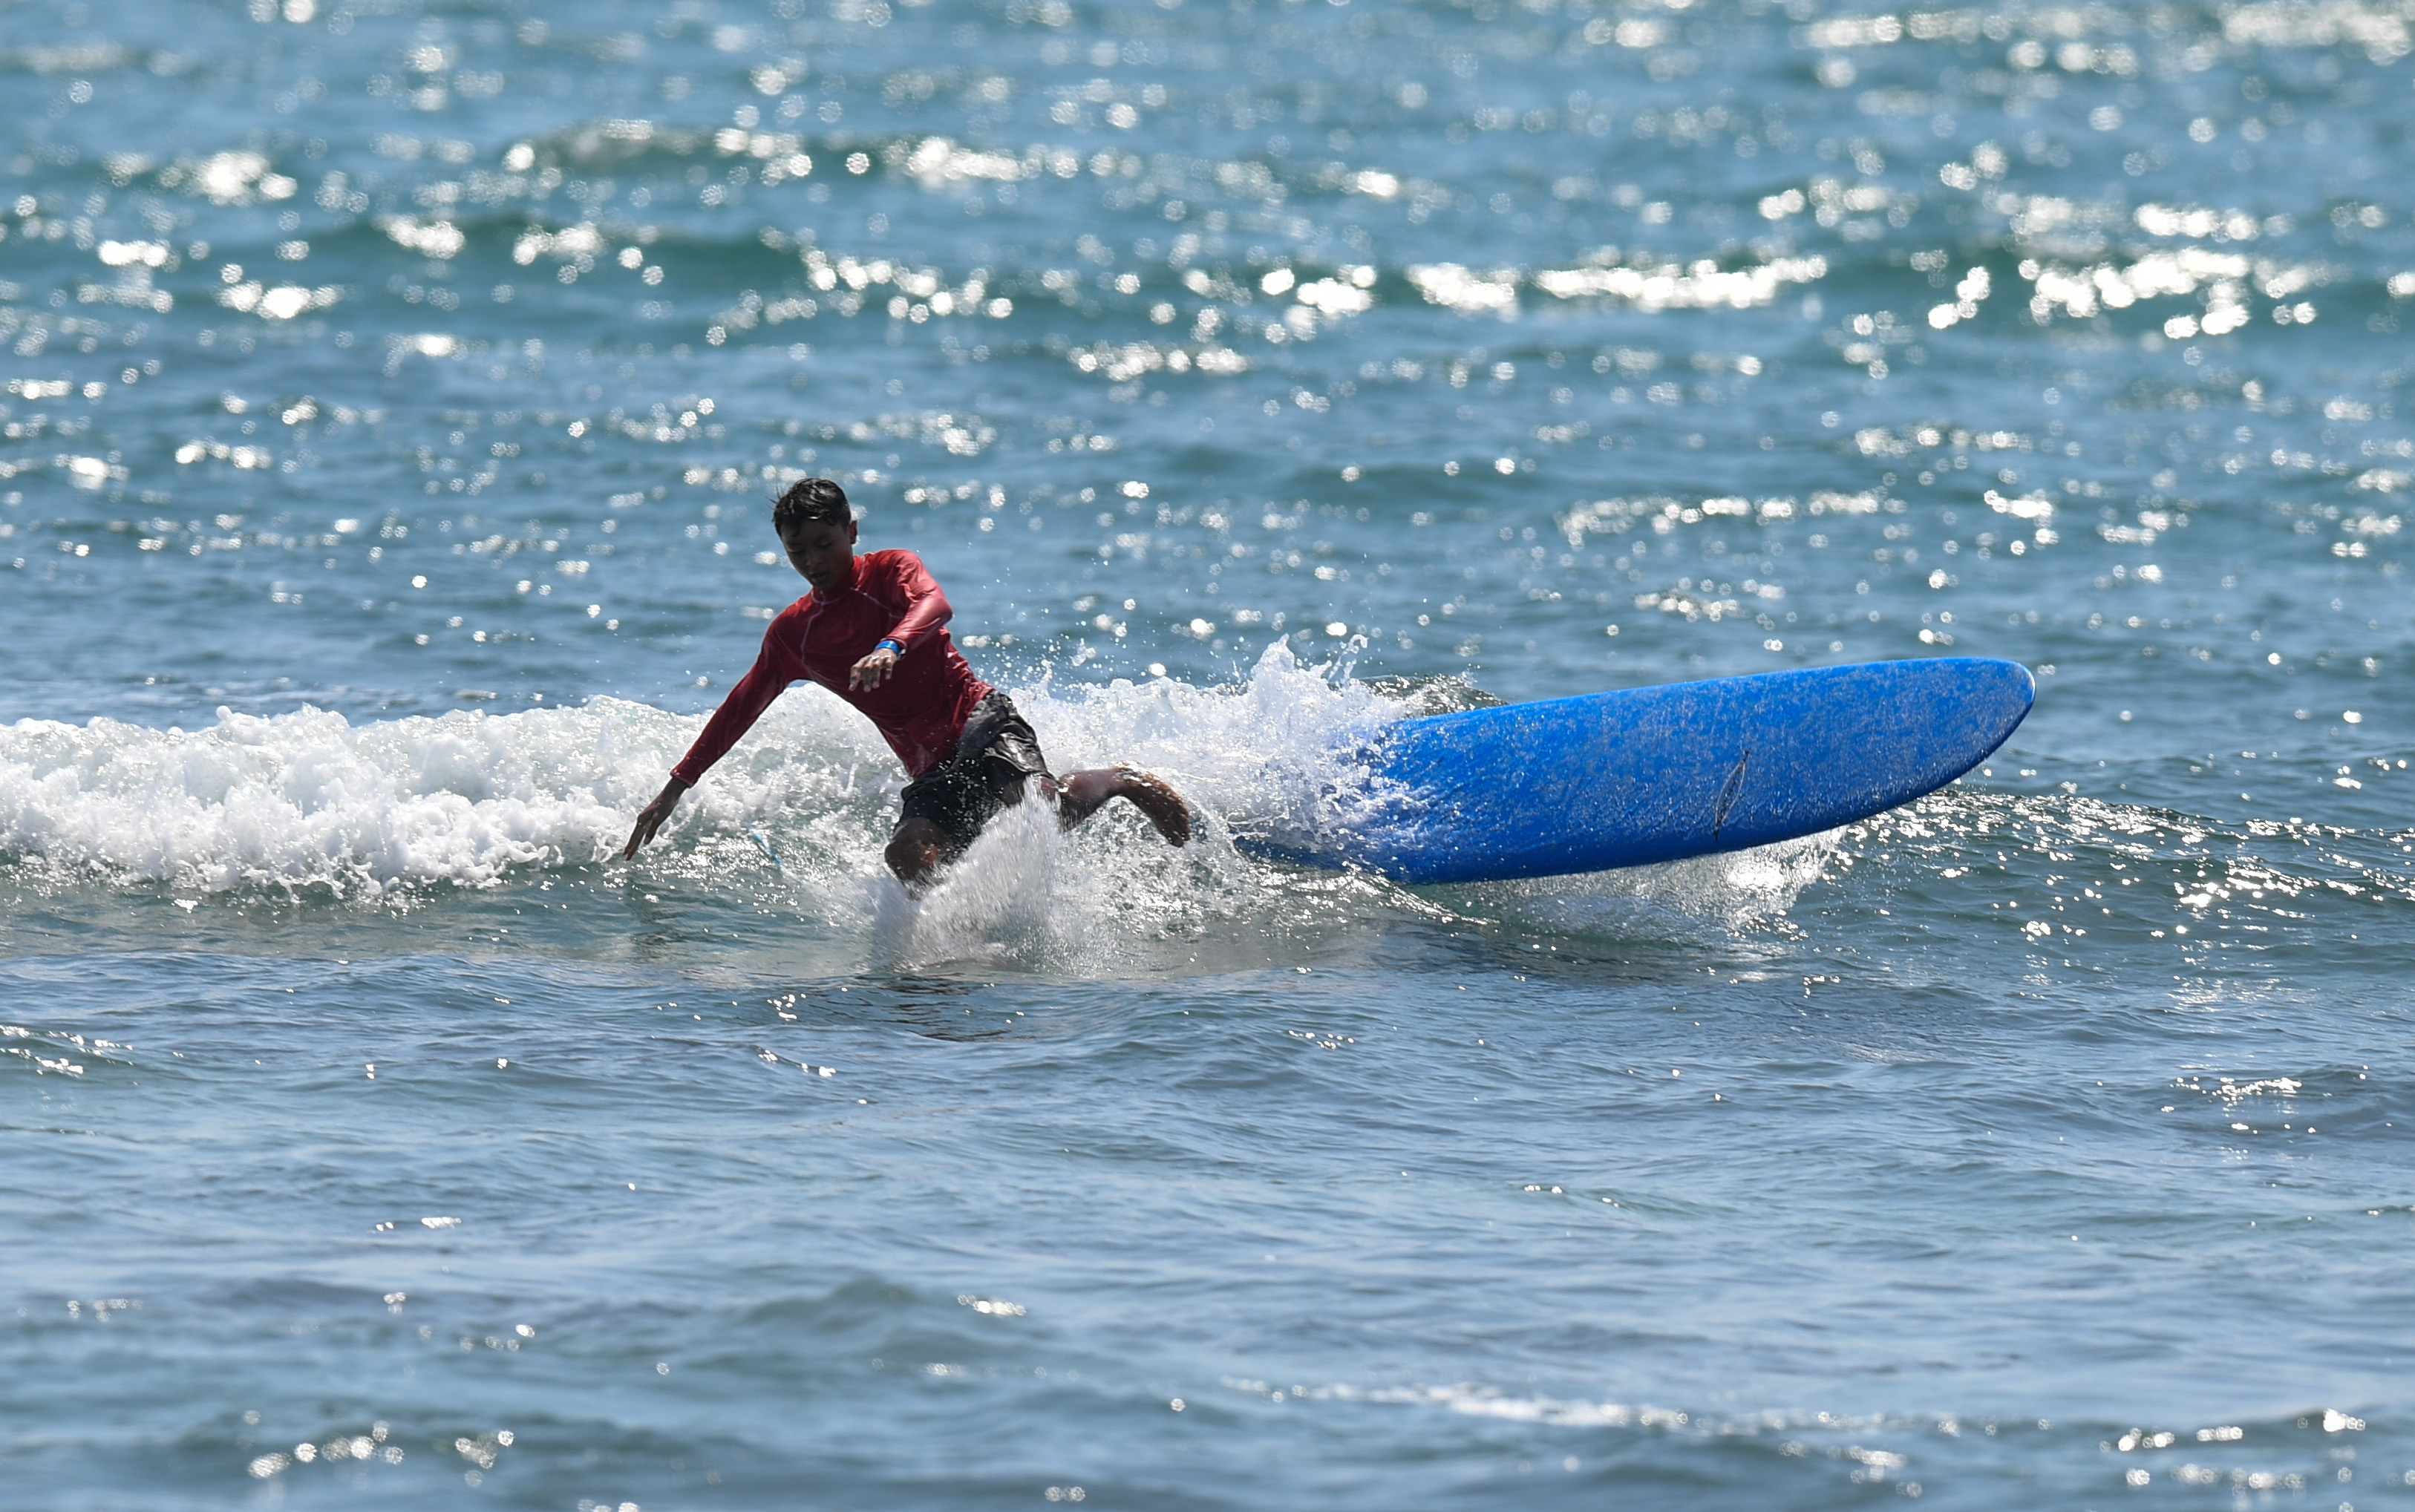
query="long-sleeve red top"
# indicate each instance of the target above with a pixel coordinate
(921, 706)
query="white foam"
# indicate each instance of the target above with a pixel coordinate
(308, 802)
(310, 799)
(1735, 890)
(307, 798)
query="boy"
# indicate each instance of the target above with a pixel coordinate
(872, 630)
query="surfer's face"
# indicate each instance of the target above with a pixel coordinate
(822, 552)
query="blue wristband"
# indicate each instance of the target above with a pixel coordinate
(894, 645)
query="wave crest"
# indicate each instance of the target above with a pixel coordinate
(311, 800)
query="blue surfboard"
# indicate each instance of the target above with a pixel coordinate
(1657, 774)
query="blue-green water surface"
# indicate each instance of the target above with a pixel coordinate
(394, 393)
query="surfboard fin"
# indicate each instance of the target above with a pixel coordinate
(763, 844)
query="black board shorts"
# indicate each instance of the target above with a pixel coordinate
(995, 756)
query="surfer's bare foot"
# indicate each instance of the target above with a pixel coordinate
(915, 853)
(1081, 794)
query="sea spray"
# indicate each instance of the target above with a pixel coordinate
(309, 803)
(309, 799)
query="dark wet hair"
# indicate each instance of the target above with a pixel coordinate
(815, 500)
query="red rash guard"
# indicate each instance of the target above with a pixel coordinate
(920, 708)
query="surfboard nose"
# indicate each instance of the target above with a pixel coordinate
(1988, 695)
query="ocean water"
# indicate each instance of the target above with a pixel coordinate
(394, 389)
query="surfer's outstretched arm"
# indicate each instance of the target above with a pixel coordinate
(653, 816)
(1081, 794)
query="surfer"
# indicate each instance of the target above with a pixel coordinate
(874, 632)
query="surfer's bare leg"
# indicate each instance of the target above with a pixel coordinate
(916, 849)
(1081, 794)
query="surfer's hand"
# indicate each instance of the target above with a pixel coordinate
(654, 816)
(870, 672)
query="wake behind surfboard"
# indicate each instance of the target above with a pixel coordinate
(1654, 774)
